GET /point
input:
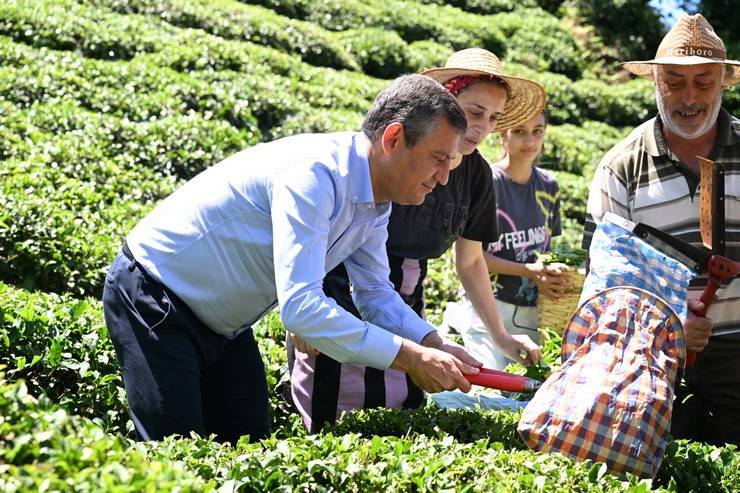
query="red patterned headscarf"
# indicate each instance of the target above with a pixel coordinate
(457, 84)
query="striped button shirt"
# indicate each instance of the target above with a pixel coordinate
(642, 180)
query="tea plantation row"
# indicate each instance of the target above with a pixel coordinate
(106, 106)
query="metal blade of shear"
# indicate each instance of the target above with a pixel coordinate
(695, 258)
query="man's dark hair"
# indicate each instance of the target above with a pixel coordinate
(416, 102)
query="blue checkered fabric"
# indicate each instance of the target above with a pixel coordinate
(619, 258)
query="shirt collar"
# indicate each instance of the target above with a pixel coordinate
(360, 185)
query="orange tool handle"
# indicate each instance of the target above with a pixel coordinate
(502, 380)
(706, 297)
(720, 268)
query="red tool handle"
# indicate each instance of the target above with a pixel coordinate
(720, 268)
(502, 380)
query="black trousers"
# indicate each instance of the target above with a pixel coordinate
(179, 375)
(707, 405)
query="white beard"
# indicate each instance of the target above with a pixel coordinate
(671, 125)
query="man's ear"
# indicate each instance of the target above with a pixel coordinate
(393, 137)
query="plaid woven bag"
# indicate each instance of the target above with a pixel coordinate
(612, 399)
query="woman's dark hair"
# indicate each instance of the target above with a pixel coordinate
(416, 102)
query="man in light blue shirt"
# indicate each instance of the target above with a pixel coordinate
(262, 228)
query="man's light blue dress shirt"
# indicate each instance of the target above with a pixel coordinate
(264, 226)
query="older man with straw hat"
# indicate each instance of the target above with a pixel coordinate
(656, 176)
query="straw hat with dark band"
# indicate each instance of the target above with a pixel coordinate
(692, 41)
(526, 98)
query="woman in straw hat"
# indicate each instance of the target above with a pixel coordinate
(654, 176)
(528, 215)
(459, 212)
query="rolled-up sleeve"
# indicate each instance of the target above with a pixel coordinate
(303, 199)
(373, 293)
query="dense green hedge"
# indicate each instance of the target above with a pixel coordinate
(69, 200)
(485, 6)
(106, 106)
(465, 425)
(43, 447)
(541, 43)
(619, 105)
(58, 232)
(68, 25)
(255, 98)
(231, 20)
(578, 148)
(59, 345)
(573, 194)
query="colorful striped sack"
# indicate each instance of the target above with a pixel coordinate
(612, 399)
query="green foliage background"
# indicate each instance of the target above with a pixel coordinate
(107, 106)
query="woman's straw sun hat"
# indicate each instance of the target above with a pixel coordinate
(526, 98)
(692, 41)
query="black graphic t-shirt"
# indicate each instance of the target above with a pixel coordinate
(528, 217)
(465, 207)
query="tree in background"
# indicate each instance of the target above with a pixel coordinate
(633, 27)
(724, 16)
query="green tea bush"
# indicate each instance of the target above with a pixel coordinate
(60, 347)
(731, 100)
(572, 231)
(58, 234)
(416, 22)
(380, 53)
(440, 286)
(336, 15)
(465, 425)
(141, 90)
(541, 43)
(573, 195)
(417, 463)
(17, 136)
(693, 466)
(561, 104)
(427, 54)
(68, 204)
(320, 120)
(179, 146)
(68, 25)
(411, 20)
(45, 448)
(191, 51)
(485, 6)
(618, 105)
(574, 148)
(282, 102)
(259, 25)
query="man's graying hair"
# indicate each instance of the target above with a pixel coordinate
(417, 102)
